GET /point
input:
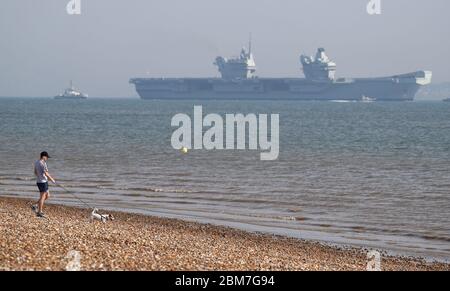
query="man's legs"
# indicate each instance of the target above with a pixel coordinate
(44, 196)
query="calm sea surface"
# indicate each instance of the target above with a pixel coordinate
(371, 174)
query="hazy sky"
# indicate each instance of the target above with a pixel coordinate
(42, 47)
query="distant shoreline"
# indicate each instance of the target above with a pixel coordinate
(138, 242)
(89, 98)
(420, 100)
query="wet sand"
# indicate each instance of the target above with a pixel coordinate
(138, 242)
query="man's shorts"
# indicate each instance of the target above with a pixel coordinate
(43, 187)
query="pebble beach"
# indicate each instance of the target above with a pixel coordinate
(138, 242)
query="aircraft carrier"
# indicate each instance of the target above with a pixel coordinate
(239, 81)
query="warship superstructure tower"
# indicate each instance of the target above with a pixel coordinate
(242, 67)
(320, 68)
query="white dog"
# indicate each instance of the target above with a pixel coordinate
(100, 217)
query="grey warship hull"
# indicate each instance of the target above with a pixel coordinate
(394, 88)
(238, 81)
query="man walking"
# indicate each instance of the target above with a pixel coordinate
(42, 177)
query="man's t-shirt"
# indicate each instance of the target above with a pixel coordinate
(40, 167)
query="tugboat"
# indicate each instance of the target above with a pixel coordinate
(71, 94)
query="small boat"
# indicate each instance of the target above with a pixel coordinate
(71, 94)
(446, 100)
(368, 99)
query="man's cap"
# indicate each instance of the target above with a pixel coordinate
(45, 154)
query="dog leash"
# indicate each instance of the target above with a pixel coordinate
(85, 203)
(71, 193)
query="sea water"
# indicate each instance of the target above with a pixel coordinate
(365, 174)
